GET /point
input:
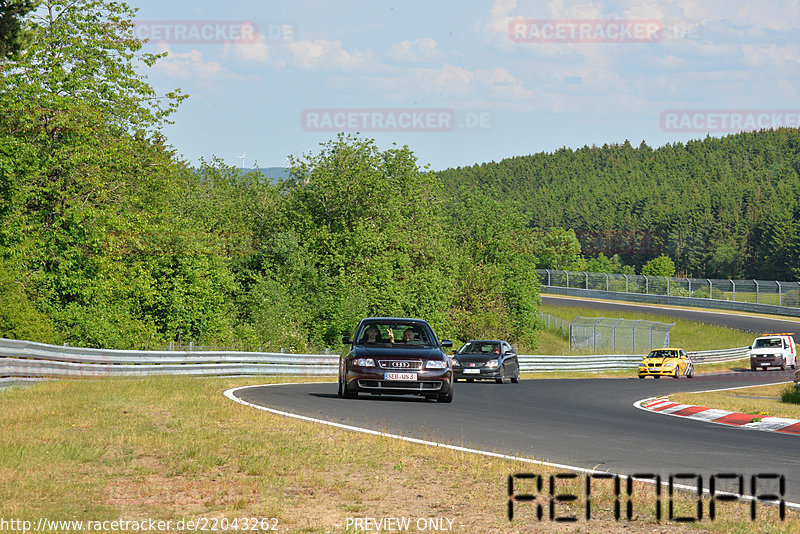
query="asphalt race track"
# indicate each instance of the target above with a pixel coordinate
(589, 423)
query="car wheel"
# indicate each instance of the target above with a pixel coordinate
(690, 374)
(470, 379)
(348, 394)
(515, 379)
(499, 380)
(446, 397)
(675, 373)
(339, 389)
(641, 376)
(753, 368)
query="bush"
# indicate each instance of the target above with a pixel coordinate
(790, 394)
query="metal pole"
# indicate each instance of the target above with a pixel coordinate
(710, 288)
(646, 285)
(606, 281)
(587, 279)
(566, 273)
(626, 282)
(734, 290)
(667, 279)
(690, 286)
(548, 277)
(756, 281)
(614, 333)
(780, 294)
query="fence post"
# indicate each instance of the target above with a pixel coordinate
(633, 335)
(587, 279)
(734, 290)
(626, 282)
(566, 273)
(652, 326)
(710, 288)
(689, 280)
(780, 293)
(606, 281)
(614, 334)
(667, 279)
(646, 285)
(756, 281)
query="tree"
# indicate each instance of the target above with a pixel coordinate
(560, 250)
(12, 34)
(660, 266)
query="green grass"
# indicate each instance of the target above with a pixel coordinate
(171, 448)
(690, 335)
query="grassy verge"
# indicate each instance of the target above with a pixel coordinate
(761, 401)
(690, 335)
(169, 448)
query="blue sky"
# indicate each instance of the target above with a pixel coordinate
(454, 82)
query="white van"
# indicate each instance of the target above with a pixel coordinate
(773, 350)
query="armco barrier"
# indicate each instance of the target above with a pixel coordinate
(25, 360)
(673, 301)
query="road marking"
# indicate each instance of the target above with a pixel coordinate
(231, 394)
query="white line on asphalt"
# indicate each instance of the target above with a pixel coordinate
(231, 394)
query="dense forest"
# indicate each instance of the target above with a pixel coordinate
(109, 239)
(719, 207)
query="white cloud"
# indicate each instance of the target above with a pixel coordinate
(188, 65)
(415, 51)
(257, 51)
(321, 53)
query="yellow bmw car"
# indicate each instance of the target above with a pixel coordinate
(666, 362)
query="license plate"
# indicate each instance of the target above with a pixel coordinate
(472, 371)
(764, 364)
(654, 369)
(400, 376)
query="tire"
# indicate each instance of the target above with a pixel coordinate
(675, 373)
(348, 394)
(753, 368)
(515, 379)
(470, 379)
(641, 376)
(445, 397)
(339, 389)
(690, 374)
(499, 380)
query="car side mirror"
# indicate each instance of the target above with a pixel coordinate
(447, 343)
(346, 340)
(750, 347)
(454, 352)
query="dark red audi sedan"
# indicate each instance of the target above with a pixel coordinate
(395, 356)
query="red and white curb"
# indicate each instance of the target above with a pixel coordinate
(664, 406)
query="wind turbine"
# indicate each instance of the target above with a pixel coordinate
(242, 158)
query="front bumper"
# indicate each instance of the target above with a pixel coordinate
(764, 362)
(373, 380)
(483, 373)
(659, 371)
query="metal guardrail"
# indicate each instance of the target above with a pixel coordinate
(25, 360)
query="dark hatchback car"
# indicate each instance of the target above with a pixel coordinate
(486, 359)
(394, 356)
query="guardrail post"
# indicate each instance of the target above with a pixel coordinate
(734, 290)
(626, 282)
(756, 281)
(710, 288)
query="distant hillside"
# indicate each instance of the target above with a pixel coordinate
(274, 173)
(720, 207)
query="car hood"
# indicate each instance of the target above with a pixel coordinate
(656, 360)
(766, 350)
(475, 358)
(396, 351)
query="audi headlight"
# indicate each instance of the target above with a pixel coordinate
(434, 364)
(364, 362)
(492, 363)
